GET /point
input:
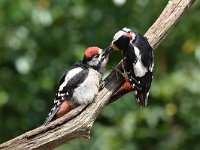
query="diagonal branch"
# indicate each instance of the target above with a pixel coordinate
(78, 122)
(165, 22)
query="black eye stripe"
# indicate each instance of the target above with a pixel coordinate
(90, 58)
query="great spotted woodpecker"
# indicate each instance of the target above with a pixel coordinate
(80, 84)
(137, 64)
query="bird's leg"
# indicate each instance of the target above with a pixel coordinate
(122, 73)
(101, 85)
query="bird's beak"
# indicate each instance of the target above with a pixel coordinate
(107, 51)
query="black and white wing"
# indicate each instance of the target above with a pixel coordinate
(143, 68)
(68, 82)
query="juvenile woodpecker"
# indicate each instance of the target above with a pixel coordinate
(137, 64)
(80, 84)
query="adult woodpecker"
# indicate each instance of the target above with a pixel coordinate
(80, 84)
(137, 64)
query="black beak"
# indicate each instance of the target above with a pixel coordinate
(107, 51)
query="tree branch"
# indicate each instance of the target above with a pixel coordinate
(78, 122)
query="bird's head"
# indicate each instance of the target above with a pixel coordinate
(122, 39)
(96, 57)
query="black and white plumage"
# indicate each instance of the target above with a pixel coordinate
(137, 64)
(80, 84)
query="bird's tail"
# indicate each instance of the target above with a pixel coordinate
(125, 88)
(140, 96)
(58, 111)
(51, 115)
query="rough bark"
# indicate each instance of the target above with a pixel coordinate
(78, 122)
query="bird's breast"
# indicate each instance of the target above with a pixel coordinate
(86, 91)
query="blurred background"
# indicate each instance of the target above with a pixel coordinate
(40, 38)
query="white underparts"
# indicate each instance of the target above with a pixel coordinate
(87, 91)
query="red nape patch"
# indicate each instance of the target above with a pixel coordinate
(64, 108)
(129, 35)
(91, 51)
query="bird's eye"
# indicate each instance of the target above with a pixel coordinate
(96, 56)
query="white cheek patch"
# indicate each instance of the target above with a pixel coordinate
(93, 62)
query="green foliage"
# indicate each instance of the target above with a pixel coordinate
(39, 39)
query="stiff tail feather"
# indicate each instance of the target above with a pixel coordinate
(58, 111)
(51, 115)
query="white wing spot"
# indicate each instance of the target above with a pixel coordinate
(58, 103)
(138, 67)
(135, 92)
(68, 76)
(53, 108)
(151, 67)
(137, 52)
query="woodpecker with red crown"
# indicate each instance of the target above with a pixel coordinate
(80, 84)
(137, 64)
